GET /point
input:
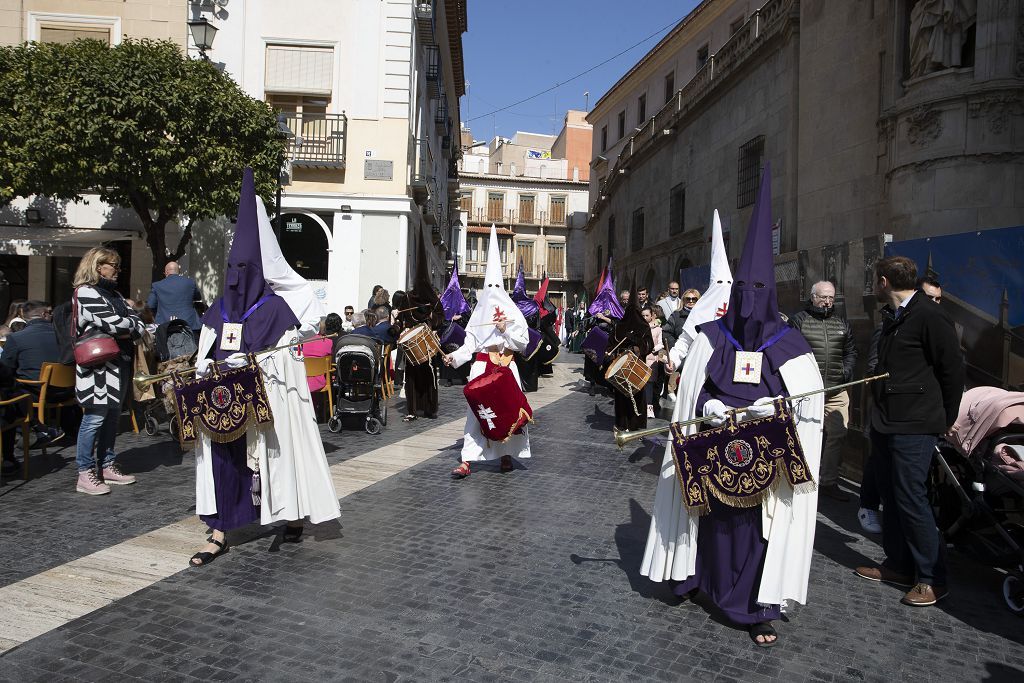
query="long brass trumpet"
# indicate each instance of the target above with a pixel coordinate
(626, 436)
(143, 381)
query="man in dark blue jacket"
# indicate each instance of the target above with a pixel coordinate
(175, 297)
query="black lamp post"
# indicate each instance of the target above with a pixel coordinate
(283, 133)
(203, 33)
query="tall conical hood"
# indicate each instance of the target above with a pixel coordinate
(283, 279)
(524, 301)
(715, 301)
(421, 299)
(247, 297)
(606, 299)
(633, 327)
(453, 300)
(753, 314)
(493, 302)
(422, 286)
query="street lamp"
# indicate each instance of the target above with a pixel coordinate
(283, 133)
(202, 35)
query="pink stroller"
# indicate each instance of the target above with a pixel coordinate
(977, 484)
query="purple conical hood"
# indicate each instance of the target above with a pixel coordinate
(753, 316)
(245, 286)
(524, 302)
(453, 300)
(606, 299)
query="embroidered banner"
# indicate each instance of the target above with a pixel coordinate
(222, 405)
(740, 463)
(498, 403)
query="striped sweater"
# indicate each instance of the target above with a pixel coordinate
(105, 384)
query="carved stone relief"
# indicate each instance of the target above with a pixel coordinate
(923, 126)
(997, 110)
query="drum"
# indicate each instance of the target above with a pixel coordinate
(548, 349)
(420, 344)
(531, 347)
(595, 345)
(453, 337)
(498, 403)
(628, 374)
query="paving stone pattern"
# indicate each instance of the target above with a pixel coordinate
(526, 576)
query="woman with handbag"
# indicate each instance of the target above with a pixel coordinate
(104, 330)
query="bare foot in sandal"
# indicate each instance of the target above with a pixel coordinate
(210, 551)
(764, 634)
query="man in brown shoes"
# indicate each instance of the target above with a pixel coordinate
(919, 401)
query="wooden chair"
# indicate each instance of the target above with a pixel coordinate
(22, 423)
(320, 366)
(387, 384)
(52, 376)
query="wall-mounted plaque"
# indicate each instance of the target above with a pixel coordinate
(375, 169)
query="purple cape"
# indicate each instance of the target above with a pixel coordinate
(244, 286)
(753, 316)
(606, 299)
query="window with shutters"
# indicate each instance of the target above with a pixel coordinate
(495, 206)
(526, 206)
(676, 209)
(750, 162)
(524, 255)
(637, 241)
(299, 69)
(466, 201)
(557, 211)
(556, 259)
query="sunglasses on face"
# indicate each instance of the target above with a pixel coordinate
(690, 299)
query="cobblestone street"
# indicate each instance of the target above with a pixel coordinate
(531, 575)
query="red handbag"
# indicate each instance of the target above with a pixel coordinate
(98, 348)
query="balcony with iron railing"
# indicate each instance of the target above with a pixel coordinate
(763, 26)
(316, 140)
(433, 70)
(425, 21)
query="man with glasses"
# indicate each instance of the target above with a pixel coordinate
(831, 341)
(347, 325)
(672, 329)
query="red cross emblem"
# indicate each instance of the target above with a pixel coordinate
(499, 315)
(722, 310)
(747, 369)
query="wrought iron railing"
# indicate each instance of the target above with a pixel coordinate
(316, 140)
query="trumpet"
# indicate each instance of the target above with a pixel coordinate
(143, 381)
(626, 436)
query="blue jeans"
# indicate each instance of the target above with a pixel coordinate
(97, 433)
(911, 540)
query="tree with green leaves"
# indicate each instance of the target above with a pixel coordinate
(138, 124)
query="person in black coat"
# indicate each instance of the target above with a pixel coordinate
(632, 333)
(917, 403)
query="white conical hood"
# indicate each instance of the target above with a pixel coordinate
(715, 300)
(285, 282)
(493, 303)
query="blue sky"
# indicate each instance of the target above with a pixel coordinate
(514, 50)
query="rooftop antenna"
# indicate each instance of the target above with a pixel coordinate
(586, 100)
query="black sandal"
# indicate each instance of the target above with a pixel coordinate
(764, 629)
(292, 533)
(206, 558)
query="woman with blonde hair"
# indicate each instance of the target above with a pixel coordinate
(99, 309)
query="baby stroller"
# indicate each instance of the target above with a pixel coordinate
(176, 346)
(359, 371)
(977, 484)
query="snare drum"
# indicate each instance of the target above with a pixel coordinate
(420, 344)
(628, 374)
(595, 345)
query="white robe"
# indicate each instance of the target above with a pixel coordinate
(295, 478)
(788, 520)
(475, 446)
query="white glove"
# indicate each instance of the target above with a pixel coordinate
(763, 407)
(715, 412)
(203, 366)
(236, 360)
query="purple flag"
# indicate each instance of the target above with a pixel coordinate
(453, 301)
(606, 299)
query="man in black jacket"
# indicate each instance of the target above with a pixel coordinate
(831, 339)
(671, 330)
(913, 407)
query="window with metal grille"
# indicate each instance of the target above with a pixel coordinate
(611, 235)
(526, 205)
(670, 85)
(641, 109)
(676, 209)
(622, 124)
(495, 206)
(556, 259)
(466, 201)
(558, 211)
(751, 158)
(637, 240)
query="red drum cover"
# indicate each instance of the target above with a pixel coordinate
(499, 404)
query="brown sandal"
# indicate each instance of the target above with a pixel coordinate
(461, 471)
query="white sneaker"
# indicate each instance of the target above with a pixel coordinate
(870, 521)
(650, 412)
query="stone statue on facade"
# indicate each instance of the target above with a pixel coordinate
(938, 30)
